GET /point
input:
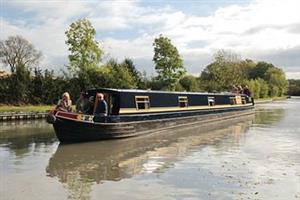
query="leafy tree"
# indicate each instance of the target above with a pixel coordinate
(19, 86)
(260, 70)
(157, 84)
(225, 71)
(276, 79)
(294, 87)
(85, 51)
(36, 86)
(136, 75)
(168, 63)
(120, 76)
(190, 83)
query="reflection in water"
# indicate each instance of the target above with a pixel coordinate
(268, 116)
(79, 166)
(21, 136)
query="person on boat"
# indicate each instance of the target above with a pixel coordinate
(100, 107)
(240, 89)
(91, 105)
(247, 91)
(234, 89)
(83, 104)
(64, 104)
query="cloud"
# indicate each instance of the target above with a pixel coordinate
(262, 29)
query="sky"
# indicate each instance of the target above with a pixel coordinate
(261, 30)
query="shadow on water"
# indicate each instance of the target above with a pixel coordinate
(79, 166)
(20, 136)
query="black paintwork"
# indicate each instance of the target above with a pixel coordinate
(126, 98)
(128, 125)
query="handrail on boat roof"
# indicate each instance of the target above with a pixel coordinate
(114, 90)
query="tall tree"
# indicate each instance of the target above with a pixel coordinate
(20, 55)
(168, 63)
(17, 52)
(85, 51)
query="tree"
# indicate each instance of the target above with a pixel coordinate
(36, 86)
(225, 71)
(20, 55)
(120, 76)
(277, 81)
(168, 63)
(16, 52)
(190, 83)
(136, 75)
(222, 56)
(294, 87)
(260, 70)
(85, 51)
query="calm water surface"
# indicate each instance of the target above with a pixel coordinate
(255, 158)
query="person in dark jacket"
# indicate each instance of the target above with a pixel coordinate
(100, 108)
(247, 91)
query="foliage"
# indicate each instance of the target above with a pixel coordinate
(168, 63)
(20, 55)
(120, 76)
(294, 87)
(85, 52)
(129, 65)
(264, 79)
(260, 70)
(277, 81)
(190, 83)
(29, 84)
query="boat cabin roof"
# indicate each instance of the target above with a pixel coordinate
(112, 90)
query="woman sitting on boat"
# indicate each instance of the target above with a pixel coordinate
(64, 104)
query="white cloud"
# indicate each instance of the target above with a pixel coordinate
(257, 30)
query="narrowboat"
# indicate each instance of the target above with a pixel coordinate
(139, 112)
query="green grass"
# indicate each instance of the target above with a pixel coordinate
(25, 108)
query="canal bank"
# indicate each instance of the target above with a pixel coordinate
(24, 112)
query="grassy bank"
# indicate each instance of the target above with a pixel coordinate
(25, 108)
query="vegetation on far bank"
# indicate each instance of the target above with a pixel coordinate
(294, 87)
(29, 83)
(25, 108)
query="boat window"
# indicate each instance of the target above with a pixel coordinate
(183, 101)
(211, 101)
(142, 102)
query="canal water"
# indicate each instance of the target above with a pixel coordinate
(257, 157)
